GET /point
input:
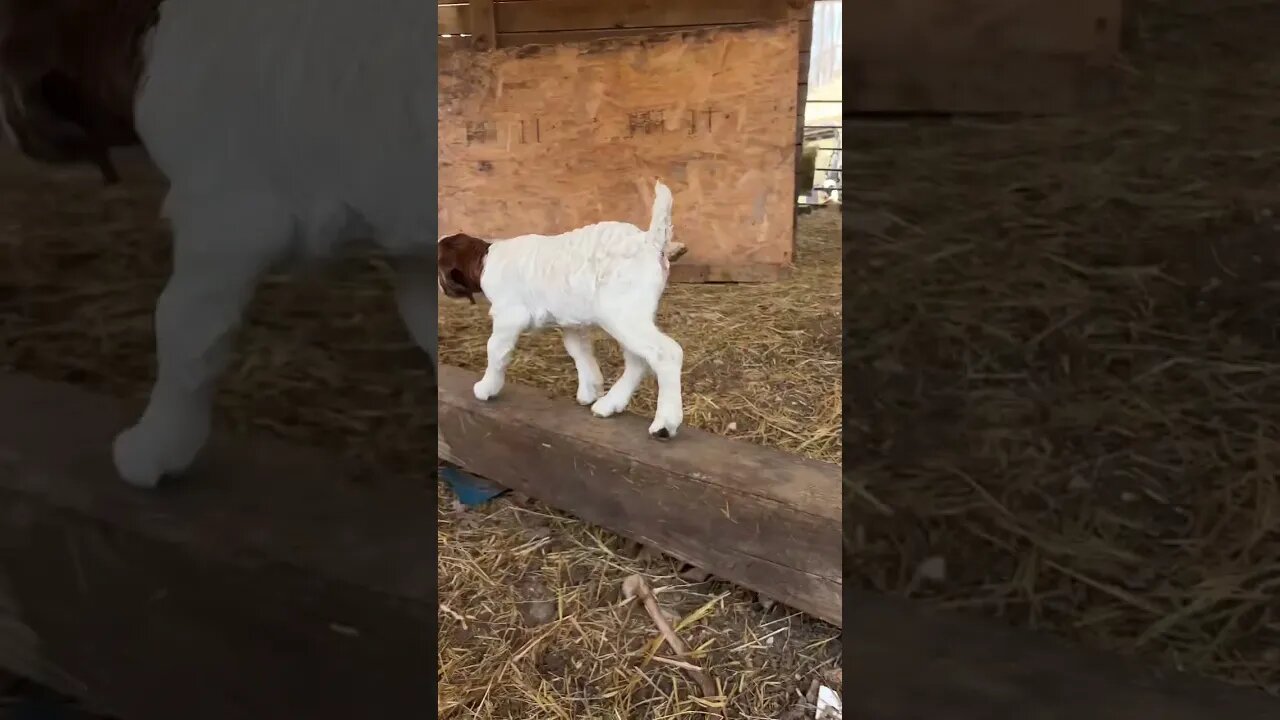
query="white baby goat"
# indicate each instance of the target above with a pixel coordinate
(610, 275)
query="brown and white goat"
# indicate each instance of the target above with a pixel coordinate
(608, 274)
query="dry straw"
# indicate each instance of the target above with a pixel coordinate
(1066, 355)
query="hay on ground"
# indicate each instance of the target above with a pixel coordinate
(1065, 359)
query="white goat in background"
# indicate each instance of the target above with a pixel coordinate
(609, 274)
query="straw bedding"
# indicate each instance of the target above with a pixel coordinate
(1064, 355)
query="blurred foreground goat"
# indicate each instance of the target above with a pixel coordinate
(286, 129)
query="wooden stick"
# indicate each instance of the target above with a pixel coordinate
(635, 586)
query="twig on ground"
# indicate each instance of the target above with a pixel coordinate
(636, 587)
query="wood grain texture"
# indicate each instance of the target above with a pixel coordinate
(945, 27)
(684, 272)
(453, 19)
(507, 39)
(904, 663)
(548, 138)
(981, 56)
(629, 16)
(551, 15)
(805, 16)
(763, 519)
(1008, 83)
(273, 582)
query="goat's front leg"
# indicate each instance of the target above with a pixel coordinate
(217, 266)
(417, 299)
(507, 326)
(577, 342)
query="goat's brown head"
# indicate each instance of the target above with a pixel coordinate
(69, 74)
(459, 263)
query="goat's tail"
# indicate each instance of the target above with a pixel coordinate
(660, 221)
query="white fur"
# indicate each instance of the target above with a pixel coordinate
(610, 275)
(5, 127)
(286, 129)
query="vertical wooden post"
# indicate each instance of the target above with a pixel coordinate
(801, 13)
(484, 25)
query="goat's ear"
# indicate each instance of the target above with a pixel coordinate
(454, 284)
(459, 278)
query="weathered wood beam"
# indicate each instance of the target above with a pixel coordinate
(269, 583)
(1035, 56)
(905, 663)
(755, 516)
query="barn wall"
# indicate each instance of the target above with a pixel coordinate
(982, 56)
(557, 113)
(548, 138)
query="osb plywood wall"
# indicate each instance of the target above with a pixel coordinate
(551, 137)
(484, 24)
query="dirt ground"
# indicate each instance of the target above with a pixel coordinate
(1064, 355)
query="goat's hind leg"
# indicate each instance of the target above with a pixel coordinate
(577, 342)
(666, 358)
(217, 263)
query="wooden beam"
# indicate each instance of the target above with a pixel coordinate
(552, 15)
(574, 36)
(484, 31)
(801, 13)
(752, 515)
(682, 272)
(273, 582)
(942, 27)
(453, 19)
(1008, 83)
(905, 663)
(982, 56)
(449, 44)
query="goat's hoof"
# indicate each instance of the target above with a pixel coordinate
(484, 391)
(588, 395)
(136, 460)
(662, 431)
(604, 407)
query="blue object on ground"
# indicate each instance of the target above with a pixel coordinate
(471, 490)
